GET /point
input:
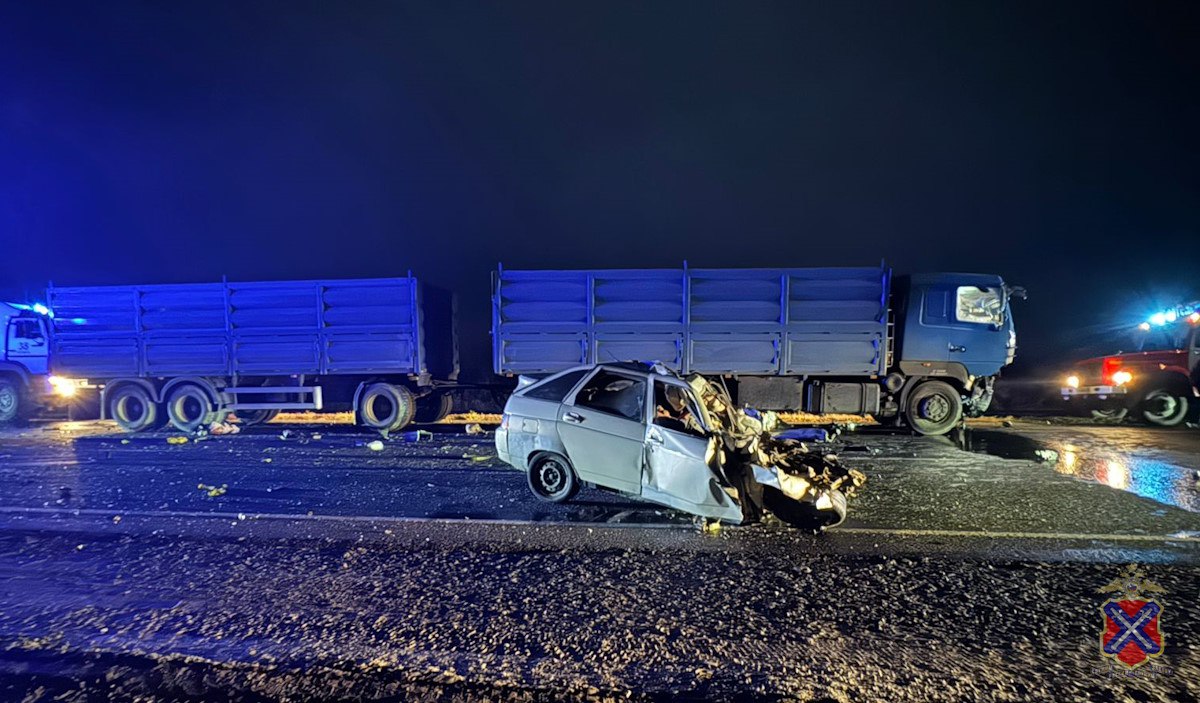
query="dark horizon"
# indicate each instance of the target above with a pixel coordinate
(1054, 145)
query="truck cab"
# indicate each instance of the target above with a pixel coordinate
(25, 360)
(1156, 383)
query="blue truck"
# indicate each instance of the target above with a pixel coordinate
(187, 354)
(922, 350)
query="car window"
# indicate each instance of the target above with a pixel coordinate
(675, 409)
(615, 394)
(555, 388)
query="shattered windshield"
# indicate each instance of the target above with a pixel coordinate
(981, 305)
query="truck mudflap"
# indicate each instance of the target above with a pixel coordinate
(805, 488)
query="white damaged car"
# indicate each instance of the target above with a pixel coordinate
(641, 430)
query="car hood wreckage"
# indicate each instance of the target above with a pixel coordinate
(604, 425)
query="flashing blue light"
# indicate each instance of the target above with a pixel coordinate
(41, 309)
(1158, 319)
(78, 321)
(1171, 316)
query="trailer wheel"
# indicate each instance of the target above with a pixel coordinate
(552, 479)
(1110, 414)
(933, 408)
(386, 407)
(257, 417)
(189, 408)
(11, 400)
(133, 408)
(433, 408)
(1161, 407)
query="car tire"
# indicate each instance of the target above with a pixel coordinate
(552, 479)
(1158, 406)
(133, 408)
(189, 408)
(933, 408)
(386, 407)
(12, 400)
(1110, 414)
(433, 408)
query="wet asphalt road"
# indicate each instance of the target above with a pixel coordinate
(427, 570)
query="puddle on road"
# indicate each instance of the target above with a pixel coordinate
(1144, 476)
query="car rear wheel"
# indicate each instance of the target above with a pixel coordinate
(133, 408)
(552, 479)
(1160, 407)
(1110, 414)
(933, 408)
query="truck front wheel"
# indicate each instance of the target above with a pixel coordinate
(1161, 407)
(133, 408)
(11, 400)
(933, 408)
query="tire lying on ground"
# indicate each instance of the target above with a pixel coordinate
(933, 407)
(12, 400)
(805, 515)
(386, 407)
(433, 408)
(133, 408)
(189, 408)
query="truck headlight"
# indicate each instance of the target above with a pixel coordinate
(1073, 381)
(1120, 378)
(65, 387)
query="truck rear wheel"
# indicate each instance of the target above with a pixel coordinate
(933, 408)
(433, 408)
(386, 407)
(133, 408)
(250, 418)
(189, 408)
(1161, 407)
(12, 400)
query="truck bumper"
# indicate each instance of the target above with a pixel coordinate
(1098, 392)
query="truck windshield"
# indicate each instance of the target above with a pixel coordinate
(981, 305)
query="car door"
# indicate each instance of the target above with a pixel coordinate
(677, 446)
(603, 428)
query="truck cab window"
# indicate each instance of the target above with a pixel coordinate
(615, 395)
(29, 329)
(983, 306)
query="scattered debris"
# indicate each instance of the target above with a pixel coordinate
(475, 428)
(478, 457)
(1046, 455)
(223, 428)
(266, 460)
(316, 435)
(709, 527)
(213, 491)
(417, 435)
(116, 519)
(124, 441)
(376, 446)
(177, 440)
(287, 434)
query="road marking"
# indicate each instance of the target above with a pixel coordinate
(882, 531)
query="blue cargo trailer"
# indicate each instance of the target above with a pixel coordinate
(922, 349)
(188, 353)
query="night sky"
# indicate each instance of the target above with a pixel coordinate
(1055, 144)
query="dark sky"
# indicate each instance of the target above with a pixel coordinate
(1055, 144)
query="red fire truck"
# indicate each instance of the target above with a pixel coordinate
(1158, 383)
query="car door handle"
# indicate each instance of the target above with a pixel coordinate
(957, 348)
(654, 437)
(573, 417)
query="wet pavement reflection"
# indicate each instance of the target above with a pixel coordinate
(1135, 471)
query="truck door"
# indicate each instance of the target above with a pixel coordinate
(26, 344)
(963, 324)
(603, 428)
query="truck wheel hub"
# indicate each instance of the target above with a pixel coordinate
(8, 399)
(935, 408)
